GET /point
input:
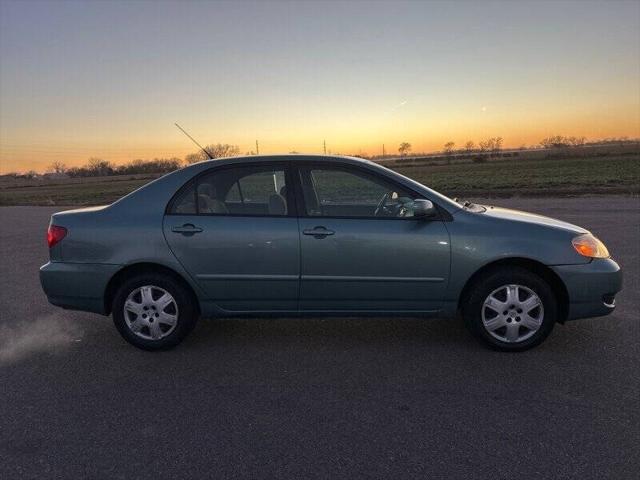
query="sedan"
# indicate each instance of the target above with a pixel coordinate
(300, 235)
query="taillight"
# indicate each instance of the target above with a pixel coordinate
(55, 234)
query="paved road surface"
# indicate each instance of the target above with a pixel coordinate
(316, 398)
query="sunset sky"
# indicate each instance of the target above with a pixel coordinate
(109, 79)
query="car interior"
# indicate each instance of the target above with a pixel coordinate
(334, 192)
(235, 191)
(262, 190)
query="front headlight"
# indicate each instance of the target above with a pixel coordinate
(589, 246)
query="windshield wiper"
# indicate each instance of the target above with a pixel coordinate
(464, 203)
(474, 207)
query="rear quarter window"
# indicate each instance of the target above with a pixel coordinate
(185, 202)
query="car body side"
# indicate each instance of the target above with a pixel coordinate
(103, 244)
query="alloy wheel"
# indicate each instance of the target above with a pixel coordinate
(512, 313)
(151, 312)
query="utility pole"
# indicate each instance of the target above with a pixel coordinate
(324, 145)
(383, 150)
(257, 148)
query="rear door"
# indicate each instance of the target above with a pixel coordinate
(234, 229)
(361, 248)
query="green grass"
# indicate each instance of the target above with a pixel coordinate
(558, 176)
(503, 177)
(97, 192)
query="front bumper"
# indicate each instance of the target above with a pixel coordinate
(77, 286)
(591, 287)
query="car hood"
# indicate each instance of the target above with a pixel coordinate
(531, 218)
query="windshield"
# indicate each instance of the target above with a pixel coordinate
(443, 200)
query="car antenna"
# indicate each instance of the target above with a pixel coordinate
(193, 140)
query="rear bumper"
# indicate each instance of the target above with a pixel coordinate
(591, 287)
(77, 286)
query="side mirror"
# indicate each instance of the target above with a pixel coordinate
(424, 208)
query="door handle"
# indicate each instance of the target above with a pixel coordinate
(318, 232)
(187, 229)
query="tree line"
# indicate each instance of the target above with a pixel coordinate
(98, 167)
(479, 152)
(493, 145)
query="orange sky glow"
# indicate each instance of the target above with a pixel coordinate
(92, 80)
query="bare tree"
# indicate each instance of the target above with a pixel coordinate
(555, 141)
(216, 150)
(157, 165)
(496, 145)
(448, 147)
(576, 141)
(493, 145)
(559, 141)
(98, 167)
(404, 148)
(57, 167)
(469, 146)
(448, 150)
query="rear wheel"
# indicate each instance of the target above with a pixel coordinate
(510, 309)
(153, 311)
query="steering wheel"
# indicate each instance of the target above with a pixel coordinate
(382, 203)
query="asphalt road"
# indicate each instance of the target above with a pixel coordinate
(355, 398)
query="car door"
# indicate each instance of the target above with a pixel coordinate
(359, 253)
(234, 229)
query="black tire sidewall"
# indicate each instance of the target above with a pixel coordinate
(187, 313)
(472, 311)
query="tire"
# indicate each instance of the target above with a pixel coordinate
(489, 315)
(167, 319)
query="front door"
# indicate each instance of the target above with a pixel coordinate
(234, 231)
(361, 248)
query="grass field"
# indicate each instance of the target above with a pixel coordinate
(526, 177)
(499, 177)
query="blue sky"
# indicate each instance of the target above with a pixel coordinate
(108, 79)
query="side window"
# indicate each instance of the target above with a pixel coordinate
(185, 202)
(343, 193)
(341, 188)
(234, 194)
(258, 187)
(242, 190)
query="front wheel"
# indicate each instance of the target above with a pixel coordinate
(510, 309)
(153, 311)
